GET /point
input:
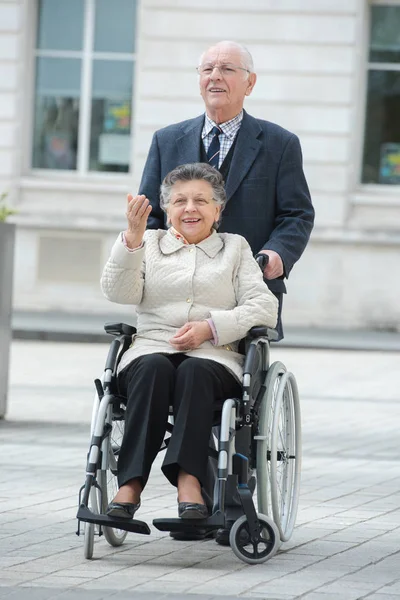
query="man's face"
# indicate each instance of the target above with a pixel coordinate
(224, 90)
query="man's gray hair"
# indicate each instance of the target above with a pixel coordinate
(247, 59)
(194, 172)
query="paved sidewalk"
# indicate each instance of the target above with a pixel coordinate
(346, 545)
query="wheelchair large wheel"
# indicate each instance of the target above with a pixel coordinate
(279, 450)
(250, 552)
(108, 480)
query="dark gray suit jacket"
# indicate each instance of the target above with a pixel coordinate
(268, 198)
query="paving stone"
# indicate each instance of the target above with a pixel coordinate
(321, 595)
(78, 594)
(173, 587)
(393, 588)
(354, 591)
(383, 596)
(324, 548)
(109, 583)
(21, 593)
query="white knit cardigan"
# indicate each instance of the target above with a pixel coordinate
(171, 283)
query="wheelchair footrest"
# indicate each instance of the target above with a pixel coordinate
(133, 525)
(216, 521)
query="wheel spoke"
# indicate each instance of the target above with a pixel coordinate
(267, 542)
(255, 549)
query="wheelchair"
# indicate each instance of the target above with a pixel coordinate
(268, 413)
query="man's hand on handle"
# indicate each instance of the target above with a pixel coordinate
(274, 267)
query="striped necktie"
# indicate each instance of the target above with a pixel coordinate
(213, 151)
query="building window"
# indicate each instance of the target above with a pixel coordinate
(85, 56)
(381, 163)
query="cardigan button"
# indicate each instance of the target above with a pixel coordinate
(188, 299)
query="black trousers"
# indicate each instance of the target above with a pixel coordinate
(196, 389)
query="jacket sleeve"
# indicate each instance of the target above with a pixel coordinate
(294, 210)
(150, 185)
(122, 279)
(256, 305)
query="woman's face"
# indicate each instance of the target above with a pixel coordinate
(192, 210)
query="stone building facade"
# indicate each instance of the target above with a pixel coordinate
(82, 90)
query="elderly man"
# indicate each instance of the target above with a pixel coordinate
(268, 198)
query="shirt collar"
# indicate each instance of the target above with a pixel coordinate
(178, 235)
(229, 128)
(210, 246)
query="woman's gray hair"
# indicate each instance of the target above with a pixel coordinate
(193, 172)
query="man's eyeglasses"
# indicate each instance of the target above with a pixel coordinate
(225, 70)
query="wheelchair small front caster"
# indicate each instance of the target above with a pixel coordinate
(88, 540)
(254, 552)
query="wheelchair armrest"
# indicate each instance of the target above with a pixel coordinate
(123, 339)
(261, 331)
(119, 329)
(253, 351)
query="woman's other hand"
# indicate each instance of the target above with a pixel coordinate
(137, 213)
(191, 336)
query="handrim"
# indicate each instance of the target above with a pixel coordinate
(108, 480)
(279, 450)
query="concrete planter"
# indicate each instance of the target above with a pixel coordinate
(7, 240)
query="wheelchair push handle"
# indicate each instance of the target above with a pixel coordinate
(262, 260)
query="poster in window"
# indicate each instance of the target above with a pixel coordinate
(117, 116)
(114, 149)
(115, 140)
(389, 170)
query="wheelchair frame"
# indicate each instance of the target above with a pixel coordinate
(269, 410)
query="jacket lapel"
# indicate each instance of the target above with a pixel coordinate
(189, 143)
(247, 147)
(246, 150)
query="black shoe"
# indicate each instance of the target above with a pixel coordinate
(222, 537)
(122, 510)
(192, 510)
(195, 534)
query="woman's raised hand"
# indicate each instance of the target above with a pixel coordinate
(137, 213)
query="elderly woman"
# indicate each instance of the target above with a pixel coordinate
(196, 293)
